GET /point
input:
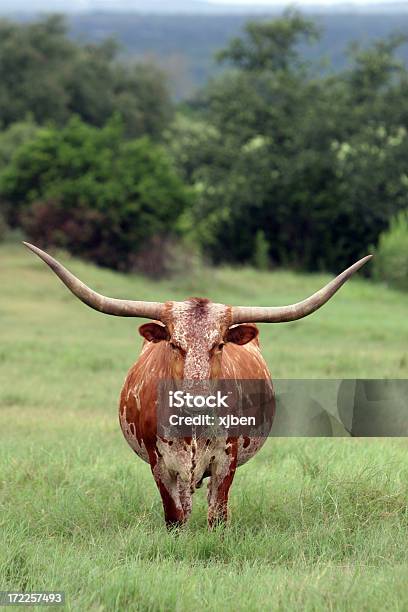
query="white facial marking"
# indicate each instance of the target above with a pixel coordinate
(198, 326)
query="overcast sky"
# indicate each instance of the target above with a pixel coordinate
(301, 2)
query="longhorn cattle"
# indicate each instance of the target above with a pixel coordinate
(194, 340)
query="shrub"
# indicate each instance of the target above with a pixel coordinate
(13, 137)
(261, 251)
(167, 256)
(3, 228)
(88, 190)
(391, 261)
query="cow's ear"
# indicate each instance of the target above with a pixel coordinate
(242, 334)
(154, 332)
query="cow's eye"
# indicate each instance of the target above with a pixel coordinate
(179, 349)
(220, 346)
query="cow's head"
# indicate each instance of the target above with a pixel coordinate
(195, 331)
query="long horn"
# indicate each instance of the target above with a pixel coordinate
(284, 314)
(110, 306)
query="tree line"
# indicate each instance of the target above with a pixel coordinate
(272, 163)
(185, 44)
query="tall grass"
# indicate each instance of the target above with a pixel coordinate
(315, 523)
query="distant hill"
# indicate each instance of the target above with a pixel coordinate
(185, 45)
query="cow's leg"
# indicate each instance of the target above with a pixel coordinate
(223, 469)
(185, 498)
(167, 483)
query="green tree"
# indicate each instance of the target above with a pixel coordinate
(90, 191)
(391, 260)
(315, 162)
(13, 137)
(270, 45)
(50, 77)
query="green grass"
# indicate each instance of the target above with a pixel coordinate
(316, 524)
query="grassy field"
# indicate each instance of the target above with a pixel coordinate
(316, 524)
